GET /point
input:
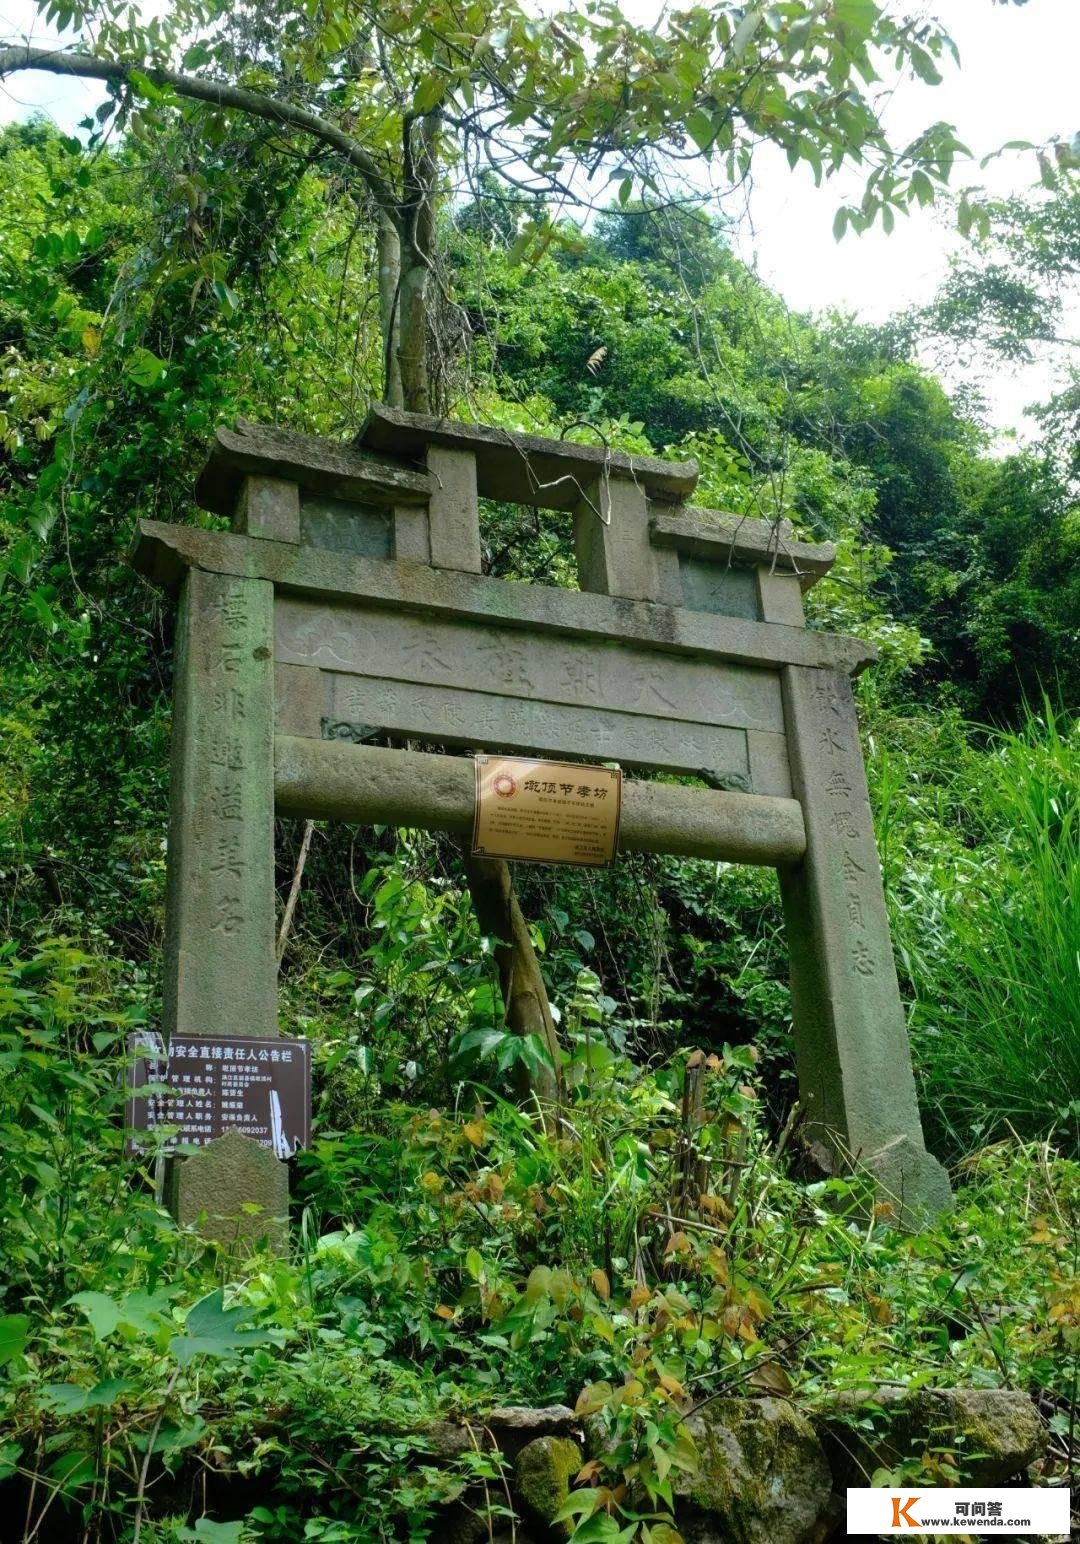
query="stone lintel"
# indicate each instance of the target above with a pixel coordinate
(322, 466)
(335, 780)
(722, 538)
(523, 468)
(163, 553)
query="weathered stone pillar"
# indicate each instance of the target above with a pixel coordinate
(453, 510)
(221, 972)
(851, 1042)
(615, 555)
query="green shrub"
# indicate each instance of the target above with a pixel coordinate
(982, 859)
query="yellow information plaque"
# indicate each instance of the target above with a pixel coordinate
(546, 811)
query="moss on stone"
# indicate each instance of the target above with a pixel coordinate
(542, 1474)
(763, 1476)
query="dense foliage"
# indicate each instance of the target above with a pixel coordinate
(447, 1246)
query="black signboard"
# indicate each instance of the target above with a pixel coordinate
(258, 1086)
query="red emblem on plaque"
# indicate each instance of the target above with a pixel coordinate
(505, 785)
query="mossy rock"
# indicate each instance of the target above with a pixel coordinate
(995, 1433)
(763, 1476)
(543, 1471)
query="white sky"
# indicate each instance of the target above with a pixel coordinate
(1018, 80)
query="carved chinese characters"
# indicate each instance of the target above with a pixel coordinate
(220, 956)
(507, 689)
(851, 1041)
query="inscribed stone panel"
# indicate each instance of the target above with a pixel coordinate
(718, 587)
(345, 526)
(512, 662)
(487, 720)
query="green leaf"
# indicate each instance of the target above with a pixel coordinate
(105, 1394)
(700, 127)
(209, 1532)
(429, 93)
(857, 16)
(522, 242)
(13, 1332)
(145, 368)
(102, 1311)
(922, 188)
(71, 1470)
(213, 1330)
(480, 1042)
(840, 224)
(744, 32)
(227, 299)
(64, 1398)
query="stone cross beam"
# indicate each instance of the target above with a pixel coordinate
(345, 618)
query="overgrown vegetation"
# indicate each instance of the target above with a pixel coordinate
(449, 1252)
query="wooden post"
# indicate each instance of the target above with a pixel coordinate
(851, 1044)
(220, 976)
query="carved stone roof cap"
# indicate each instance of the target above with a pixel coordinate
(524, 468)
(323, 466)
(719, 537)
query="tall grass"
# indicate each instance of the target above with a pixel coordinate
(983, 872)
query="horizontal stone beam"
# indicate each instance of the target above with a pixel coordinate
(719, 538)
(523, 468)
(321, 466)
(334, 780)
(163, 552)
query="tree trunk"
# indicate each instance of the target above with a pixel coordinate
(406, 266)
(525, 999)
(417, 247)
(389, 283)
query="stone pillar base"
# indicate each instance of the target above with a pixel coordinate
(234, 1192)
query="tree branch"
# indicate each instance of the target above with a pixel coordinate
(218, 94)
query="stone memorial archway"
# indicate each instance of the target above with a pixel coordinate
(347, 604)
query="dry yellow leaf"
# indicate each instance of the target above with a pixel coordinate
(601, 1284)
(771, 1377)
(718, 1265)
(732, 1320)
